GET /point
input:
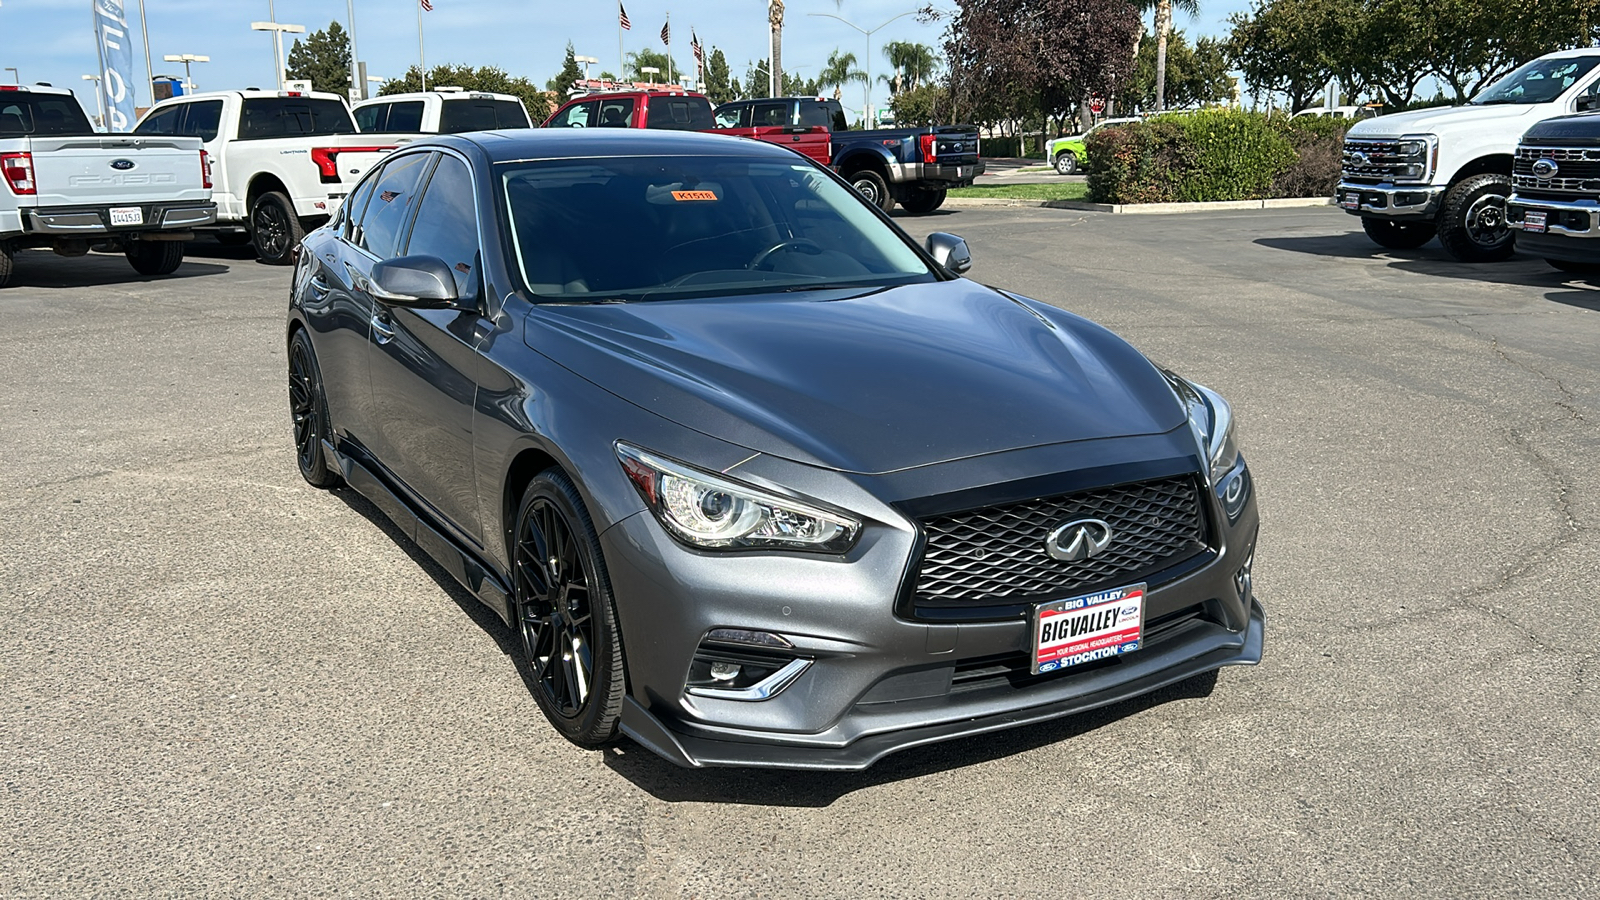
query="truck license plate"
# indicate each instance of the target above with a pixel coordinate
(127, 215)
(1533, 221)
(1352, 201)
(1087, 628)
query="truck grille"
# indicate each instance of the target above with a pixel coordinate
(995, 556)
(1372, 161)
(1577, 170)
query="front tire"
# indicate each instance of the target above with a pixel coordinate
(7, 262)
(275, 229)
(1066, 163)
(1473, 227)
(155, 257)
(1398, 235)
(565, 613)
(308, 408)
(920, 202)
(871, 185)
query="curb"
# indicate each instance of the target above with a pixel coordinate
(1148, 209)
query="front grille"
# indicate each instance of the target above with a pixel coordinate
(1375, 162)
(995, 556)
(1577, 170)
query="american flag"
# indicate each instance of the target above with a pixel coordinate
(666, 34)
(622, 18)
(426, 5)
(694, 44)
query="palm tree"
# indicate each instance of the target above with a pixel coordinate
(840, 71)
(1163, 9)
(775, 20)
(913, 64)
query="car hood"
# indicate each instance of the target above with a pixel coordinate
(1423, 121)
(887, 380)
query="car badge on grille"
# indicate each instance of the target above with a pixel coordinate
(1545, 168)
(1358, 158)
(1078, 540)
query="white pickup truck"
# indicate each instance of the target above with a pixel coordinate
(1448, 170)
(443, 110)
(281, 161)
(70, 190)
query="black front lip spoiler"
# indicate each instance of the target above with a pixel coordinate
(696, 752)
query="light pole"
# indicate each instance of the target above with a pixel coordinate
(652, 71)
(15, 77)
(187, 59)
(357, 89)
(868, 112)
(586, 60)
(99, 99)
(278, 29)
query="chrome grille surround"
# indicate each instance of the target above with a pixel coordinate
(1378, 161)
(1578, 170)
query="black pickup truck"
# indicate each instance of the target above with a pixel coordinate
(912, 166)
(1555, 199)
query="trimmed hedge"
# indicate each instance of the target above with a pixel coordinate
(1011, 147)
(1214, 154)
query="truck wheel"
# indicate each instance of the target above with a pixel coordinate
(1473, 226)
(920, 202)
(275, 229)
(1576, 268)
(872, 186)
(155, 257)
(1066, 163)
(5, 262)
(1399, 235)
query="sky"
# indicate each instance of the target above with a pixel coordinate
(52, 40)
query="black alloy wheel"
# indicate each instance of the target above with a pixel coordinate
(1398, 235)
(275, 229)
(1473, 226)
(871, 185)
(1066, 163)
(920, 202)
(155, 257)
(565, 614)
(308, 408)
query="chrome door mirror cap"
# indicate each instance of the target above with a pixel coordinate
(420, 281)
(950, 251)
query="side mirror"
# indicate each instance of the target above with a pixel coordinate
(1588, 102)
(421, 281)
(950, 251)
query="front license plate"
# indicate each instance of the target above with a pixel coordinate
(127, 215)
(1352, 201)
(961, 171)
(1533, 221)
(1087, 628)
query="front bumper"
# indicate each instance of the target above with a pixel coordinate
(80, 221)
(881, 680)
(1389, 201)
(949, 176)
(1570, 227)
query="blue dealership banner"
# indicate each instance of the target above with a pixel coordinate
(116, 57)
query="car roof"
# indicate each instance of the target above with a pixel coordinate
(577, 143)
(36, 89)
(441, 94)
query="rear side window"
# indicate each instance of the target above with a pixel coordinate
(840, 123)
(814, 113)
(405, 116)
(202, 119)
(616, 113)
(770, 114)
(733, 115)
(47, 114)
(372, 118)
(578, 115)
(393, 199)
(481, 115)
(274, 117)
(681, 114)
(356, 204)
(162, 121)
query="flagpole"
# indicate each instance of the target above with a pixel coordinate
(622, 58)
(422, 53)
(670, 79)
(149, 73)
(356, 84)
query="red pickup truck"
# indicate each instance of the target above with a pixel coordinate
(682, 111)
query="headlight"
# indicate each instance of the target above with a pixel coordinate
(711, 513)
(1211, 418)
(1410, 149)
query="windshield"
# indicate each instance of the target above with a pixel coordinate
(1540, 81)
(630, 229)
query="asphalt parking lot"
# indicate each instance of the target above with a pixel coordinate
(216, 680)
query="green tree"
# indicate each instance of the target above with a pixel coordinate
(912, 65)
(840, 71)
(1163, 16)
(484, 78)
(927, 104)
(647, 58)
(720, 86)
(757, 83)
(569, 75)
(1197, 74)
(323, 59)
(1278, 47)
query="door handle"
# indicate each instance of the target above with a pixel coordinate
(381, 330)
(319, 287)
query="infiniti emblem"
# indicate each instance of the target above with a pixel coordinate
(122, 165)
(1078, 540)
(1545, 168)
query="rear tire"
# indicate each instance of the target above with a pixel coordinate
(920, 202)
(1398, 235)
(155, 257)
(1576, 268)
(1066, 163)
(1472, 227)
(275, 229)
(7, 262)
(871, 185)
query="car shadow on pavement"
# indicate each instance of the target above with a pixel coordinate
(1432, 260)
(772, 787)
(214, 250)
(44, 269)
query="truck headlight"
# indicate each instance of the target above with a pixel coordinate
(709, 512)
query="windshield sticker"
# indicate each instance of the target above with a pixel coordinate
(681, 196)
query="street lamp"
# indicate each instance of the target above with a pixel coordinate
(652, 71)
(868, 111)
(278, 30)
(15, 77)
(187, 59)
(586, 60)
(99, 99)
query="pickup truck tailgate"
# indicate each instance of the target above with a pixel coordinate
(110, 169)
(954, 146)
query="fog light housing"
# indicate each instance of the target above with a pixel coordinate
(749, 666)
(1242, 579)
